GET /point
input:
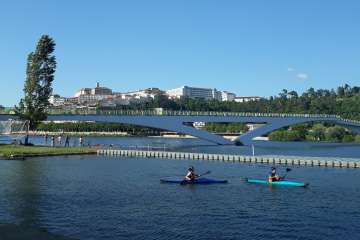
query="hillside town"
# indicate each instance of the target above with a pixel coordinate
(101, 96)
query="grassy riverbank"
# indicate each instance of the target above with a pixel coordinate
(10, 151)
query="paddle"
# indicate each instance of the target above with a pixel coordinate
(186, 181)
(205, 173)
(287, 170)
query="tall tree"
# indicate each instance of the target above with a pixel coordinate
(40, 71)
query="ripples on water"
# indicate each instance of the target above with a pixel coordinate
(121, 198)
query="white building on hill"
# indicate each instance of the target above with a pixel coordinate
(146, 93)
(94, 91)
(227, 96)
(204, 93)
(194, 92)
(56, 100)
(247, 99)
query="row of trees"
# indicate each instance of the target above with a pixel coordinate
(314, 132)
(97, 127)
(226, 127)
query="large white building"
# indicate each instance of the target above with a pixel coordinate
(143, 94)
(227, 96)
(91, 99)
(93, 96)
(247, 99)
(194, 92)
(205, 93)
(56, 100)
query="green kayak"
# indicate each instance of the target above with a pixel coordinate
(278, 183)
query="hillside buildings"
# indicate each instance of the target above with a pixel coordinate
(106, 97)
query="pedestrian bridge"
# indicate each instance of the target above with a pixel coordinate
(177, 121)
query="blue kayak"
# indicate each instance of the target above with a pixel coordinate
(278, 183)
(196, 181)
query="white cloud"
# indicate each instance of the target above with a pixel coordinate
(297, 74)
(291, 69)
(302, 76)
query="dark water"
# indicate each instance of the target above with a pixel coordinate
(96, 197)
(121, 198)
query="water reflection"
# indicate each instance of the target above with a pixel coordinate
(24, 192)
(100, 197)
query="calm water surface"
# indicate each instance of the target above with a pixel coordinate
(348, 150)
(92, 197)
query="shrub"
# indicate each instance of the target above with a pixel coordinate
(348, 138)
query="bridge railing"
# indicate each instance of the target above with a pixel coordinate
(192, 113)
(350, 121)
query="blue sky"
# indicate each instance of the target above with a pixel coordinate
(254, 47)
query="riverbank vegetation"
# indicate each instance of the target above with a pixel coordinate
(314, 132)
(103, 127)
(97, 127)
(11, 150)
(226, 127)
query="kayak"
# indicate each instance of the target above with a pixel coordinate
(278, 183)
(196, 181)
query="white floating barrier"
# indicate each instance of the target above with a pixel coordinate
(279, 160)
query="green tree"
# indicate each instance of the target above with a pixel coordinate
(278, 135)
(335, 134)
(301, 130)
(40, 71)
(348, 138)
(318, 132)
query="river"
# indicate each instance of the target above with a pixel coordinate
(99, 197)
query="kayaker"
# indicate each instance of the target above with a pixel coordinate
(273, 177)
(191, 175)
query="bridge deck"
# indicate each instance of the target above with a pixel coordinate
(175, 121)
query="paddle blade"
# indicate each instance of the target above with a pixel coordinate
(205, 173)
